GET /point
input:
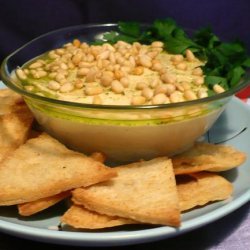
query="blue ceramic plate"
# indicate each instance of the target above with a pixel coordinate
(232, 128)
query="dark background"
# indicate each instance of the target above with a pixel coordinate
(20, 21)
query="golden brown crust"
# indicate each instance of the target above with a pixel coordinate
(79, 217)
(43, 167)
(202, 188)
(33, 207)
(143, 191)
(209, 157)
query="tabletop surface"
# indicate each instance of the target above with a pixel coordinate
(228, 233)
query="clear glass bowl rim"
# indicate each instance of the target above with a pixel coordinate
(9, 82)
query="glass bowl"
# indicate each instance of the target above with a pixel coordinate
(122, 133)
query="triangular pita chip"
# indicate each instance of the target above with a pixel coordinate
(210, 157)
(143, 191)
(200, 188)
(33, 207)
(44, 167)
(79, 217)
(15, 122)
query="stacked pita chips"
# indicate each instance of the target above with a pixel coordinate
(39, 172)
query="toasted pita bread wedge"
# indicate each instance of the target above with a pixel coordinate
(79, 217)
(209, 157)
(15, 122)
(143, 191)
(33, 207)
(44, 167)
(10, 101)
(201, 188)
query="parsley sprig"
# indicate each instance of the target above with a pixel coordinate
(226, 62)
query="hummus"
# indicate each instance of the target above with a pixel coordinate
(119, 74)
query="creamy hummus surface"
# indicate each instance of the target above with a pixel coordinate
(119, 74)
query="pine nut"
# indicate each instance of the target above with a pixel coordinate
(170, 88)
(161, 89)
(40, 74)
(190, 95)
(202, 93)
(154, 83)
(60, 78)
(189, 55)
(85, 65)
(97, 100)
(138, 100)
(106, 80)
(197, 72)
(132, 61)
(79, 83)
(157, 66)
(157, 44)
(167, 78)
(118, 74)
(176, 97)
(145, 61)
(141, 85)
(198, 81)
(63, 66)
(76, 43)
(181, 66)
(20, 74)
(60, 52)
(90, 77)
(152, 54)
(138, 70)
(179, 87)
(90, 58)
(29, 88)
(159, 99)
(147, 93)
(82, 71)
(76, 59)
(124, 81)
(218, 89)
(54, 85)
(104, 55)
(35, 65)
(185, 85)
(67, 87)
(117, 87)
(177, 59)
(53, 55)
(93, 90)
(112, 57)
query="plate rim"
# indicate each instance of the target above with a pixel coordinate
(129, 237)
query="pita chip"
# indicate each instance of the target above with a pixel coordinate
(33, 207)
(79, 217)
(209, 157)
(201, 188)
(143, 191)
(44, 167)
(15, 122)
